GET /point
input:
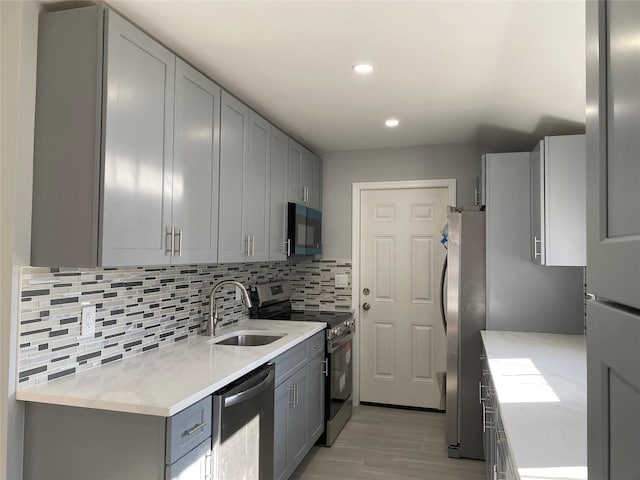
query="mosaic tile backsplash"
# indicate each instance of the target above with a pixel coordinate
(144, 308)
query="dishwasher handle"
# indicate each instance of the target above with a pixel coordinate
(265, 381)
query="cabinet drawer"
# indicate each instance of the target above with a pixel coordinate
(187, 429)
(290, 360)
(316, 344)
(194, 465)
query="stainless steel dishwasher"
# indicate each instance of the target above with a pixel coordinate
(242, 443)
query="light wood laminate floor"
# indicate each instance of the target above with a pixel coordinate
(389, 444)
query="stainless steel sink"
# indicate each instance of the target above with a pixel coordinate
(247, 340)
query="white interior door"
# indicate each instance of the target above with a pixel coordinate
(403, 343)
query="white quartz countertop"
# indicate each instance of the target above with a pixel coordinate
(541, 386)
(171, 378)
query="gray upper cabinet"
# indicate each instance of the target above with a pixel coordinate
(137, 185)
(102, 175)
(256, 188)
(613, 135)
(613, 240)
(304, 176)
(233, 245)
(196, 167)
(277, 195)
(558, 201)
(479, 194)
(244, 183)
(138, 146)
(316, 191)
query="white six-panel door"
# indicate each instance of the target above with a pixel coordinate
(402, 340)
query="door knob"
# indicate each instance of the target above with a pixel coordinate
(366, 306)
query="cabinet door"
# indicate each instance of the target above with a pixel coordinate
(277, 195)
(256, 188)
(234, 126)
(316, 188)
(565, 197)
(196, 167)
(306, 178)
(297, 423)
(294, 161)
(195, 465)
(479, 193)
(537, 205)
(138, 147)
(315, 405)
(613, 142)
(613, 392)
(282, 401)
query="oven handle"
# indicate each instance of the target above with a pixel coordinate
(336, 343)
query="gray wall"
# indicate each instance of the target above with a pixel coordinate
(341, 169)
(19, 33)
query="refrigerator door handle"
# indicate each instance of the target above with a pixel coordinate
(443, 314)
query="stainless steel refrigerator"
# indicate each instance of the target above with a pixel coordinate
(465, 317)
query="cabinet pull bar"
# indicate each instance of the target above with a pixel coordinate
(292, 396)
(325, 367)
(180, 244)
(288, 247)
(173, 242)
(195, 428)
(169, 243)
(536, 242)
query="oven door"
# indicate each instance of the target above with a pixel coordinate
(340, 384)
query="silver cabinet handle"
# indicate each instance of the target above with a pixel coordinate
(170, 242)
(208, 467)
(179, 235)
(253, 245)
(485, 423)
(296, 390)
(195, 428)
(325, 367)
(292, 395)
(536, 242)
(288, 247)
(247, 241)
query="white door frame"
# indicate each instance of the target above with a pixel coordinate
(358, 187)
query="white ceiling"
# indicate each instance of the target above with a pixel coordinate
(499, 73)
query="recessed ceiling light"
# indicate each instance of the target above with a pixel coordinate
(363, 68)
(392, 122)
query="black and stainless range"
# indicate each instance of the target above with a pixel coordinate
(273, 301)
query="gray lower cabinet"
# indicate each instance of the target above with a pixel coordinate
(195, 465)
(110, 186)
(498, 458)
(298, 404)
(78, 443)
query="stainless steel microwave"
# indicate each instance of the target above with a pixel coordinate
(304, 230)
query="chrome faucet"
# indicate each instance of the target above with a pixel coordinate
(213, 309)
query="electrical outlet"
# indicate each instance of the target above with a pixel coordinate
(88, 320)
(238, 294)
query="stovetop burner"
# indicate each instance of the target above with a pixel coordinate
(272, 301)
